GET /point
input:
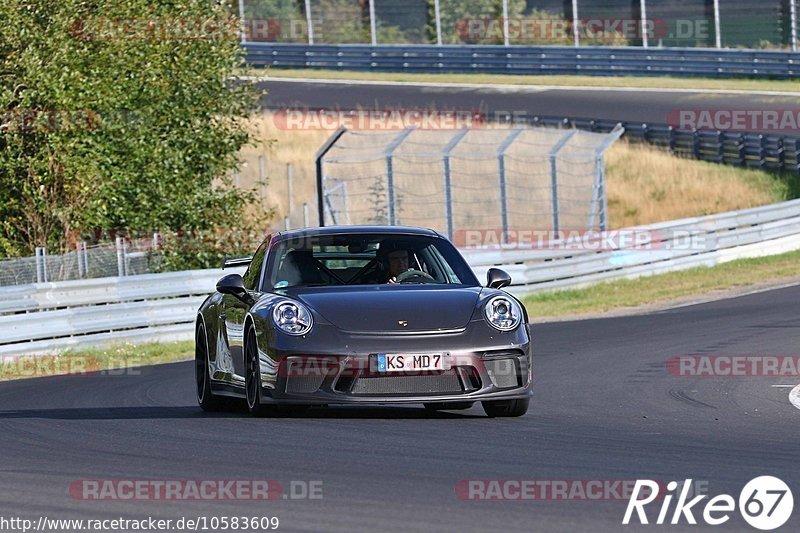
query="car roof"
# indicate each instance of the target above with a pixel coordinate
(356, 230)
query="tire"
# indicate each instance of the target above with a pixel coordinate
(205, 396)
(506, 408)
(253, 376)
(448, 406)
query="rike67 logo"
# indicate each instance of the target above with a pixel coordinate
(765, 503)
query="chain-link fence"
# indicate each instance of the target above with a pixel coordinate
(121, 258)
(680, 23)
(498, 181)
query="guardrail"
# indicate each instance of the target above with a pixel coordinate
(750, 149)
(44, 317)
(47, 317)
(485, 59)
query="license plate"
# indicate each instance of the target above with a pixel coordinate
(410, 362)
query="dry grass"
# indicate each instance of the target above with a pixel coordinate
(645, 184)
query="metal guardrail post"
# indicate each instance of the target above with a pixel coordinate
(793, 23)
(717, 30)
(319, 171)
(120, 244)
(501, 171)
(390, 192)
(554, 174)
(41, 264)
(448, 191)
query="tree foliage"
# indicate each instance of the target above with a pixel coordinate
(118, 115)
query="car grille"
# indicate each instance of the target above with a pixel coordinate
(454, 381)
(303, 384)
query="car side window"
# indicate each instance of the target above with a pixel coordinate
(253, 273)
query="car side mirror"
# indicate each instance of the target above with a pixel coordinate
(497, 279)
(233, 284)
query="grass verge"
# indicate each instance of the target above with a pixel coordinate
(655, 82)
(119, 359)
(622, 294)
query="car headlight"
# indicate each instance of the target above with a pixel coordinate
(502, 313)
(292, 318)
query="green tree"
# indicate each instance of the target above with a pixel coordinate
(457, 15)
(119, 115)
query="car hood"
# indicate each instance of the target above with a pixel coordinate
(396, 309)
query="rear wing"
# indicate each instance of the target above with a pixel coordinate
(236, 262)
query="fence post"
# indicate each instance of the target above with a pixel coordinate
(289, 185)
(41, 264)
(644, 23)
(501, 171)
(793, 22)
(576, 33)
(554, 175)
(717, 30)
(599, 198)
(262, 176)
(309, 23)
(448, 190)
(505, 23)
(79, 259)
(373, 27)
(438, 16)
(390, 192)
(242, 22)
(318, 169)
(286, 223)
(120, 242)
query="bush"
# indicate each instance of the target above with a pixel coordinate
(118, 115)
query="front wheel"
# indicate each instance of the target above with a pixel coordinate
(253, 375)
(205, 396)
(506, 408)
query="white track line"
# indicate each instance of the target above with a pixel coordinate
(794, 396)
(520, 87)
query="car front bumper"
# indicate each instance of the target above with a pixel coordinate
(500, 374)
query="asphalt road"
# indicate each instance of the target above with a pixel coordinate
(605, 408)
(611, 104)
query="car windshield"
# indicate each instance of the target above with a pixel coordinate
(365, 259)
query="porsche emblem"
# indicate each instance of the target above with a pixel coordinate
(403, 323)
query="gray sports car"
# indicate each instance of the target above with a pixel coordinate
(362, 315)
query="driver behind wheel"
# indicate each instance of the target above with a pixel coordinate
(395, 261)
